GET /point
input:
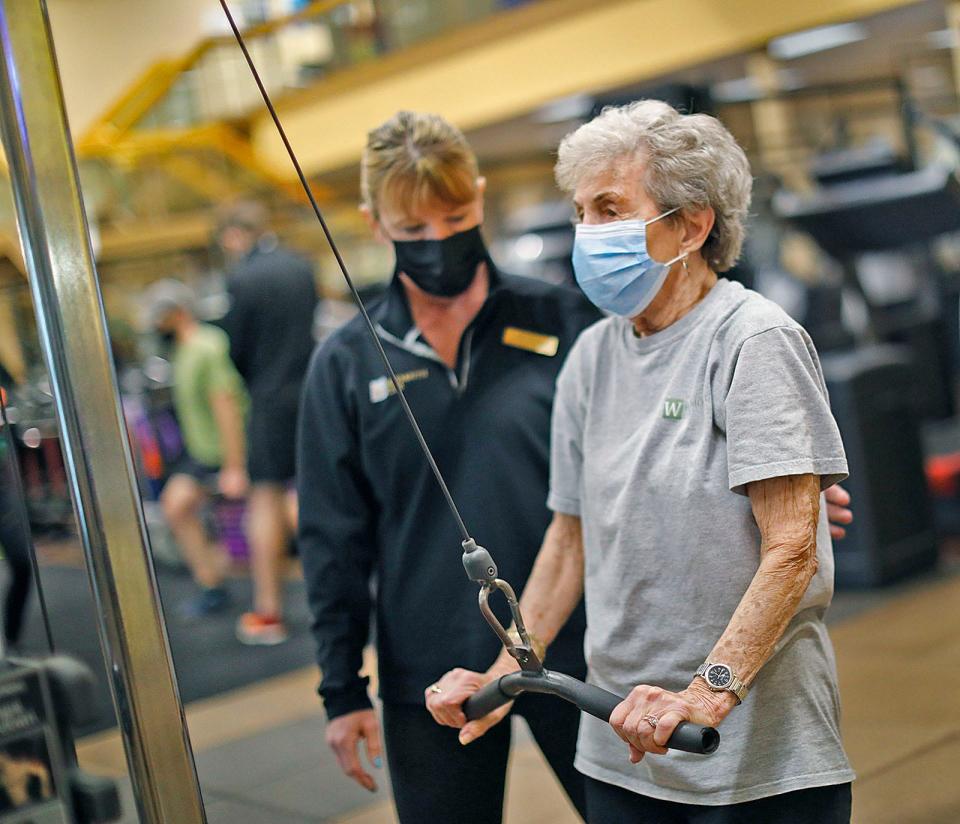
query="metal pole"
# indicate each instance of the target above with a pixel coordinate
(73, 335)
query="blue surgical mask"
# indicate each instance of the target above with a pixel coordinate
(614, 268)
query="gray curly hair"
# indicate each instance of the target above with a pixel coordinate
(690, 160)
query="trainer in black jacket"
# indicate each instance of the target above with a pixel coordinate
(370, 508)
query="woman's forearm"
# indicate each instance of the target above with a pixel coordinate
(786, 510)
(555, 586)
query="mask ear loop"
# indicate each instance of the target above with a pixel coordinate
(682, 256)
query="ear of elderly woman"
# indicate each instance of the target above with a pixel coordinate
(692, 438)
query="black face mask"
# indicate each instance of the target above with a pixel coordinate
(444, 268)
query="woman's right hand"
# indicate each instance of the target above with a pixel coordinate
(445, 699)
(343, 736)
(839, 513)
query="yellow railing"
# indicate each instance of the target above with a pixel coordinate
(159, 79)
(122, 135)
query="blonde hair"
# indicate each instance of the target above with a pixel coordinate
(690, 160)
(417, 160)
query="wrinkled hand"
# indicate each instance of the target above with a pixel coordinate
(233, 482)
(694, 704)
(838, 511)
(344, 734)
(446, 706)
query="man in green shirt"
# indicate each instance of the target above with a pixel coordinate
(211, 405)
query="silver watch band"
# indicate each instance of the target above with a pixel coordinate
(732, 684)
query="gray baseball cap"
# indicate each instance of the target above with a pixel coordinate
(163, 297)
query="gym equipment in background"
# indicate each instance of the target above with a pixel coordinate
(876, 213)
(868, 203)
(871, 391)
(40, 782)
(874, 207)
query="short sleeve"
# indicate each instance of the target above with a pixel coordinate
(566, 439)
(221, 374)
(777, 416)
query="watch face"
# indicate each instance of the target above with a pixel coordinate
(719, 676)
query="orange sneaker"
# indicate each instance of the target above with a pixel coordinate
(255, 629)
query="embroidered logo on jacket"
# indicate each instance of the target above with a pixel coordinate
(382, 388)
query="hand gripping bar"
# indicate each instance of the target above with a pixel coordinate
(591, 699)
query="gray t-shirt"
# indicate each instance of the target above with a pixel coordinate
(653, 439)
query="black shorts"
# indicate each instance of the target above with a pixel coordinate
(272, 435)
(608, 804)
(203, 474)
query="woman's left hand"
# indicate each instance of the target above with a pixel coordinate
(647, 717)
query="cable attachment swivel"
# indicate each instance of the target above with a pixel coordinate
(478, 563)
(481, 568)
(523, 652)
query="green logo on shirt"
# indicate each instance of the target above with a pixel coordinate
(672, 409)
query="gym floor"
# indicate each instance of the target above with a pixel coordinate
(262, 759)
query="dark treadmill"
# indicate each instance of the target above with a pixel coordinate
(876, 213)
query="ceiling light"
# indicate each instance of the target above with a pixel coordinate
(944, 39)
(748, 89)
(741, 90)
(528, 247)
(573, 107)
(811, 41)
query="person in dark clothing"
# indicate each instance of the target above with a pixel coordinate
(478, 352)
(16, 550)
(14, 531)
(273, 299)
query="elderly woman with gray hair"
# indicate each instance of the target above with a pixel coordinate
(692, 438)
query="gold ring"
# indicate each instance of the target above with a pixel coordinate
(435, 688)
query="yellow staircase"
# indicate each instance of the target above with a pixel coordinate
(133, 132)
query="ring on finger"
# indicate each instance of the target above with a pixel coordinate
(652, 720)
(434, 688)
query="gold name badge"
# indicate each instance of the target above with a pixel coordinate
(545, 345)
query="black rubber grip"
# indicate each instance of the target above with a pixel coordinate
(694, 738)
(591, 699)
(484, 701)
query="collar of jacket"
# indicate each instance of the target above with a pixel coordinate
(393, 312)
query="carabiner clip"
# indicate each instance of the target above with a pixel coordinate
(523, 652)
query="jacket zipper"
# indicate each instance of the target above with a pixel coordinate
(411, 344)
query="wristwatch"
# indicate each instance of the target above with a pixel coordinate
(720, 677)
